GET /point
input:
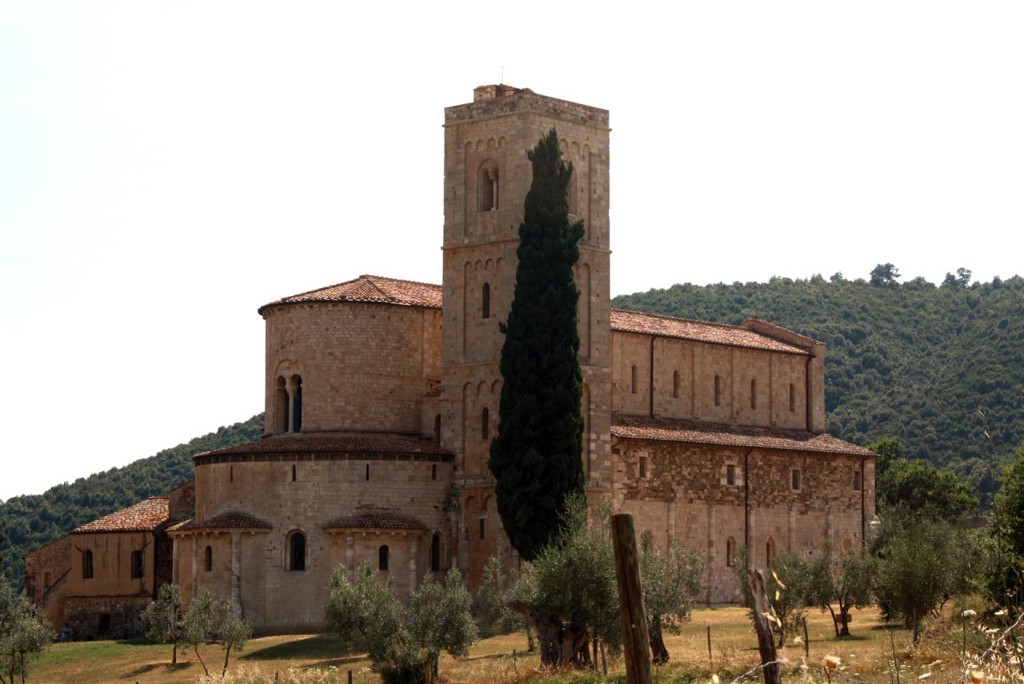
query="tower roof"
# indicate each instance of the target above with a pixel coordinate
(369, 289)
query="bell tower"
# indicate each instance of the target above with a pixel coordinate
(487, 174)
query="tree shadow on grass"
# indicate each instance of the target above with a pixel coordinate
(166, 667)
(318, 647)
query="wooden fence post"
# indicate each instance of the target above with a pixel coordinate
(636, 644)
(765, 637)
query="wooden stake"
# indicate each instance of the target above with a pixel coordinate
(636, 642)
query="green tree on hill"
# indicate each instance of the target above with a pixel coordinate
(535, 456)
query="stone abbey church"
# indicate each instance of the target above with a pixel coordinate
(382, 398)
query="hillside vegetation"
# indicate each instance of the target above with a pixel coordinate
(941, 368)
(28, 522)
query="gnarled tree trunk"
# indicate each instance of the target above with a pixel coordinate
(560, 644)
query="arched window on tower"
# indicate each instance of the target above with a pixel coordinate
(485, 298)
(296, 403)
(297, 551)
(488, 187)
(280, 406)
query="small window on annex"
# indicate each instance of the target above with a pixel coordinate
(730, 474)
(297, 551)
(642, 466)
(87, 565)
(208, 559)
(753, 395)
(138, 563)
(794, 481)
(792, 397)
(675, 384)
(382, 558)
(632, 379)
(718, 390)
(856, 480)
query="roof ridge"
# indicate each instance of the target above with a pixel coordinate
(730, 326)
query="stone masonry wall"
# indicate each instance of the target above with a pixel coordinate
(684, 382)
(683, 493)
(363, 366)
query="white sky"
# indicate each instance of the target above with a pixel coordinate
(168, 167)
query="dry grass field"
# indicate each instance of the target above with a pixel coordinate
(866, 656)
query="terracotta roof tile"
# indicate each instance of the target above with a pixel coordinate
(380, 520)
(369, 289)
(313, 443)
(144, 516)
(671, 430)
(714, 333)
(231, 520)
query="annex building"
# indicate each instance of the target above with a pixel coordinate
(382, 398)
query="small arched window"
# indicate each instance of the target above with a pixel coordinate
(382, 558)
(296, 404)
(632, 379)
(488, 187)
(280, 406)
(208, 559)
(753, 394)
(297, 551)
(718, 390)
(435, 553)
(675, 384)
(485, 424)
(87, 564)
(485, 301)
(792, 398)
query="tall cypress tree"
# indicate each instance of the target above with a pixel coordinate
(536, 455)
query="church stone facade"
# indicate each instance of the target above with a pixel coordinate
(382, 398)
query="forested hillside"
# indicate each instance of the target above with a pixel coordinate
(28, 522)
(941, 368)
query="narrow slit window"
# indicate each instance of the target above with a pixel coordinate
(485, 298)
(730, 552)
(294, 473)
(297, 404)
(792, 398)
(435, 553)
(367, 472)
(632, 379)
(795, 479)
(856, 480)
(675, 384)
(718, 390)
(483, 528)
(208, 559)
(730, 475)
(753, 394)
(769, 552)
(485, 424)
(297, 551)
(383, 558)
(642, 466)
(87, 565)
(433, 471)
